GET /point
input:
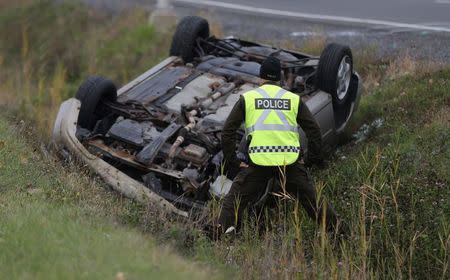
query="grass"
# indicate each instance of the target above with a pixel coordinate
(56, 46)
(49, 230)
(392, 188)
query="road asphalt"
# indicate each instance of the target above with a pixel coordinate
(419, 28)
(424, 12)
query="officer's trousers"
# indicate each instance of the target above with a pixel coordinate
(249, 183)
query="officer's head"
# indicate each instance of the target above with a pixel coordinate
(270, 69)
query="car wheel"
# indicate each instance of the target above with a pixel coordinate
(335, 71)
(184, 40)
(91, 93)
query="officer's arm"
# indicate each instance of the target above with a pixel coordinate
(230, 128)
(309, 125)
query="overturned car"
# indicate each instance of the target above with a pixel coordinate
(157, 139)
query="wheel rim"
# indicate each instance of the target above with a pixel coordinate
(343, 77)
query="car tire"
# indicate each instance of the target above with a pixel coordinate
(91, 93)
(334, 72)
(185, 38)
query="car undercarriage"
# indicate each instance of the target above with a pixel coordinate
(163, 130)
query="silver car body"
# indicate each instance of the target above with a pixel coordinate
(198, 89)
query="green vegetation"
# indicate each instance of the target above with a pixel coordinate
(56, 225)
(48, 49)
(392, 188)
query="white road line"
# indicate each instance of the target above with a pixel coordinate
(314, 16)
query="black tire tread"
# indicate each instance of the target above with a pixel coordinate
(90, 93)
(185, 36)
(87, 87)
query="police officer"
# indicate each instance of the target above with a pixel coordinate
(271, 116)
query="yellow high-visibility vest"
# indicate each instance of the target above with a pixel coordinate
(271, 121)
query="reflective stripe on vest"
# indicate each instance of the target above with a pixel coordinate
(273, 149)
(260, 125)
(271, 121)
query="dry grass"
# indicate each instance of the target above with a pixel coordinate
(401, 66)
(215, 27)
(44, 63)
(441, 117)
(393, 190)
(315, 44)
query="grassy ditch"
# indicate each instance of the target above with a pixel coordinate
(391, 183)
(392, 188)
(56, 224)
